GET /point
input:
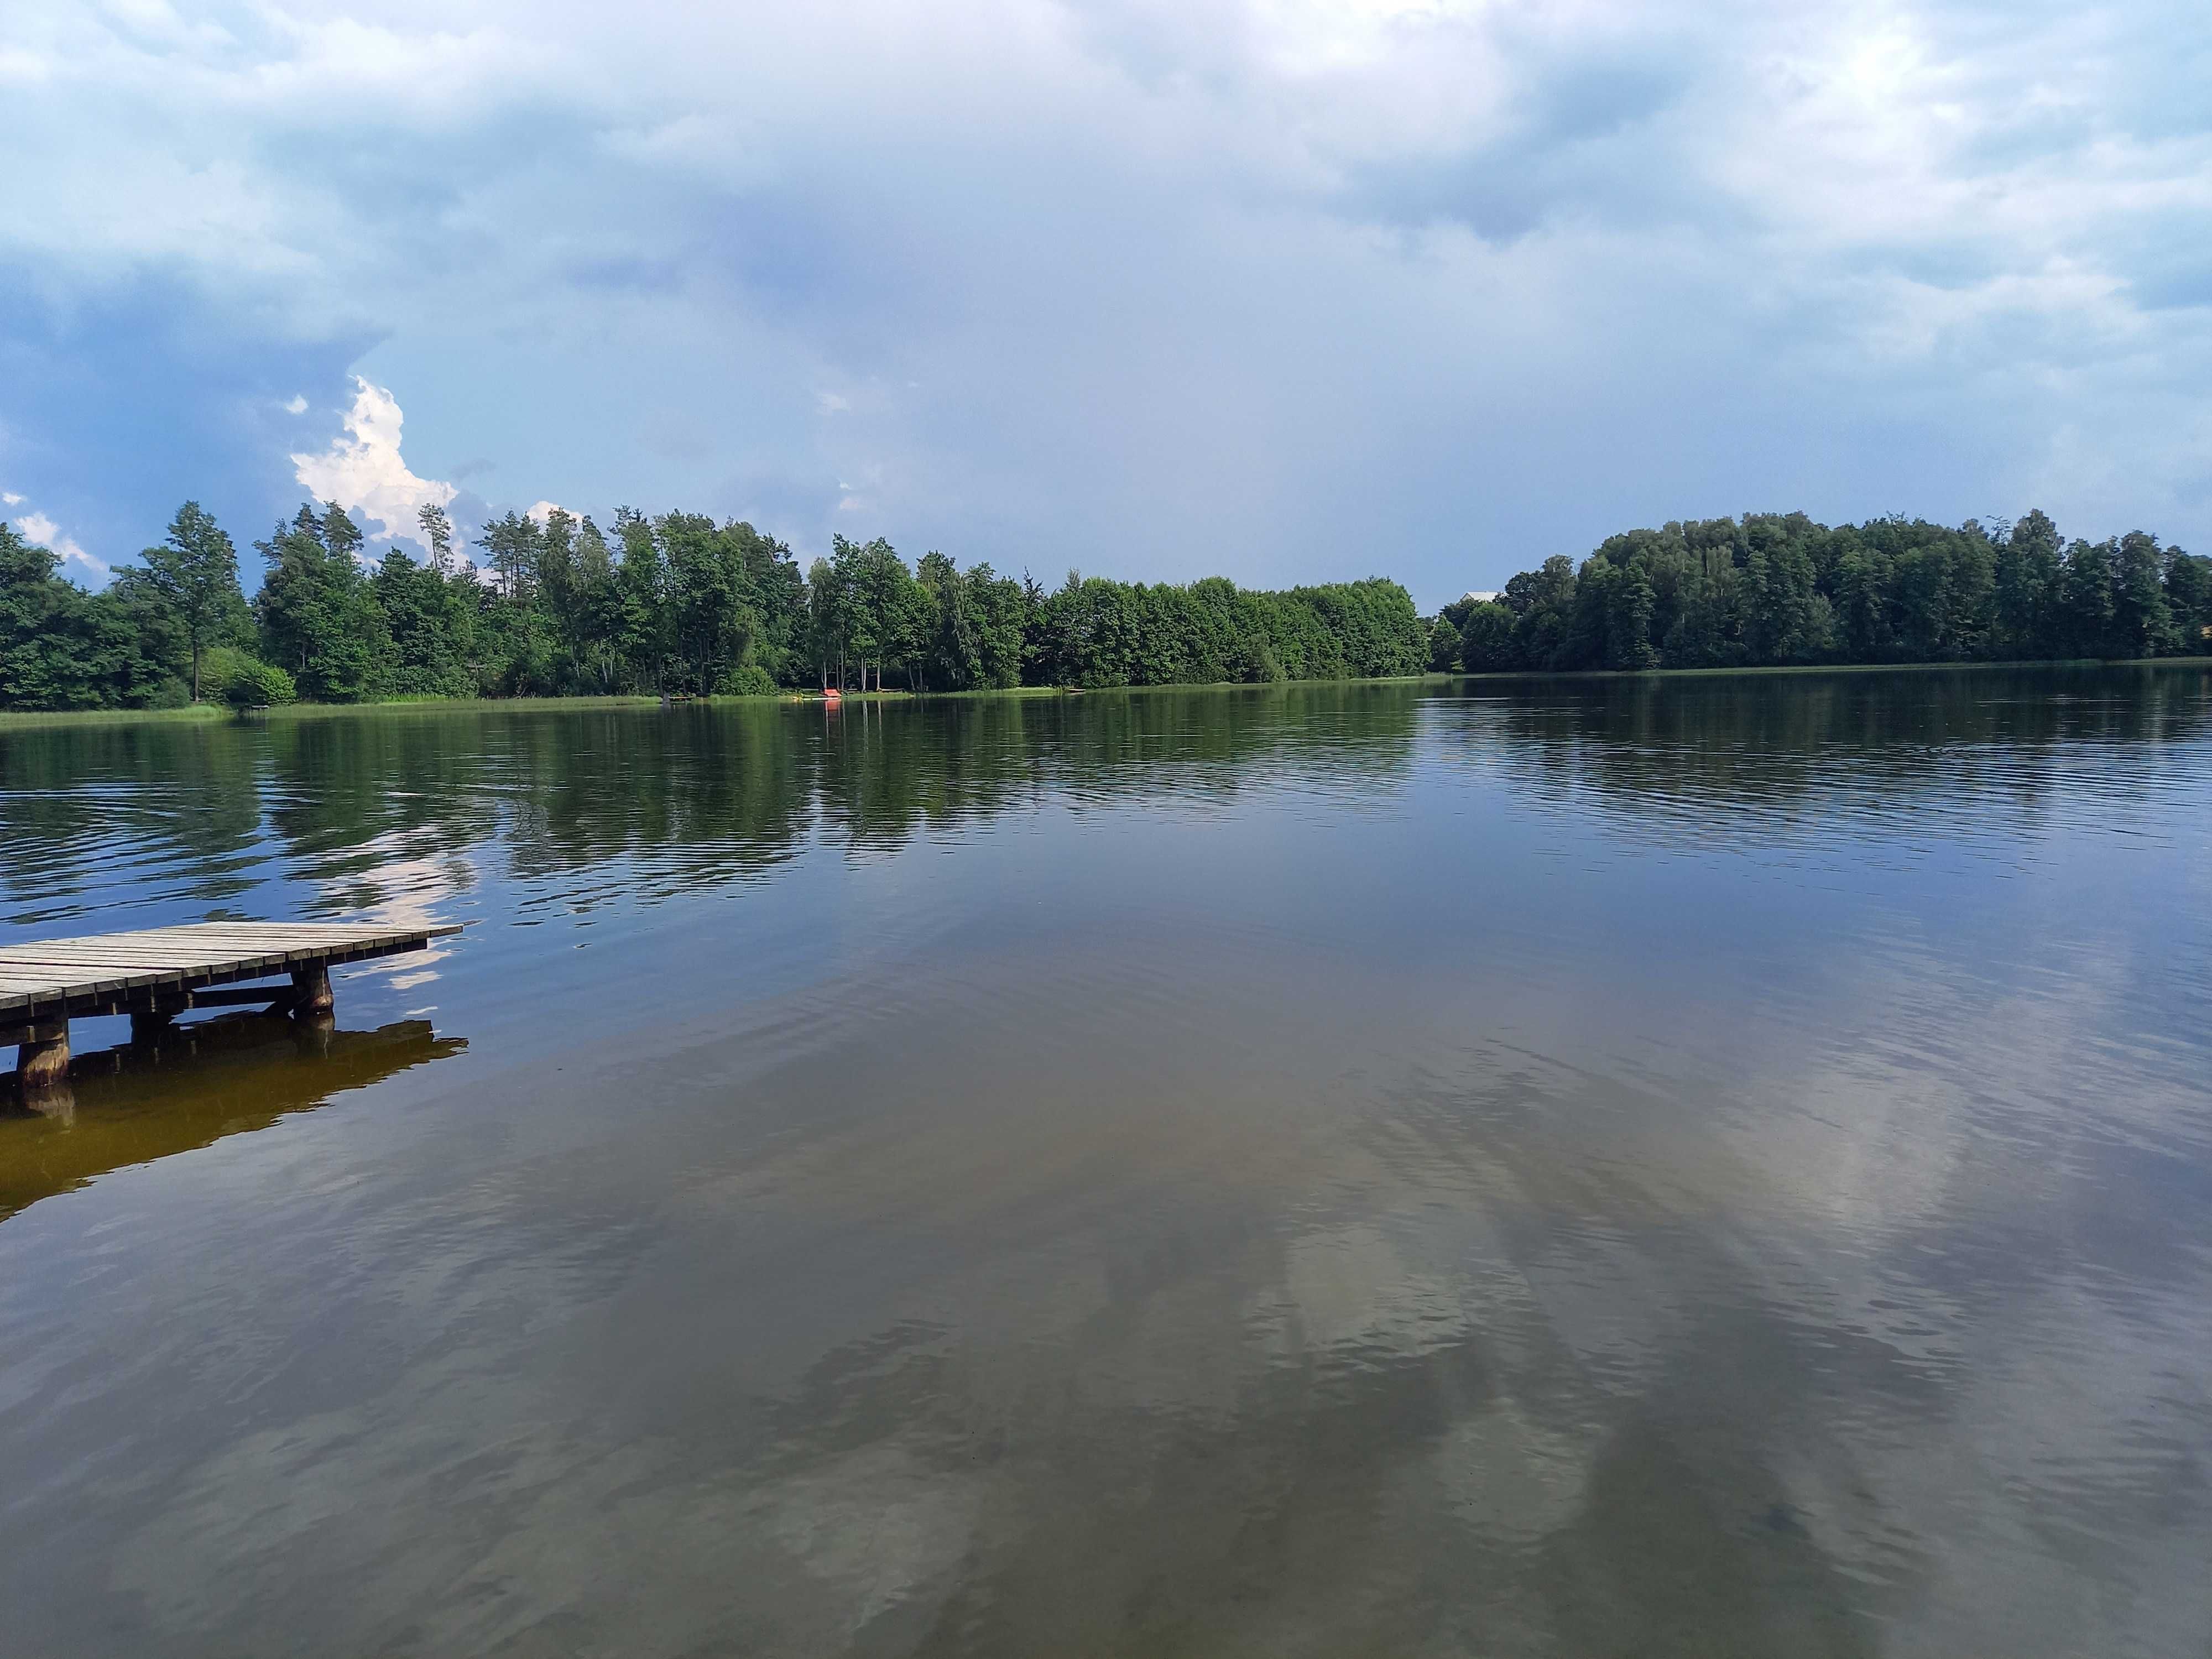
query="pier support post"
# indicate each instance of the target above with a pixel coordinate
(42, 1057)
(150, 1024)
(310, 991)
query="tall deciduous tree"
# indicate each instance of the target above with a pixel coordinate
(319, 617)
(61, 648)
(194, 574)
(2029, 598)
(2142, 620)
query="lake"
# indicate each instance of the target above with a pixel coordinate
(1702, 1166)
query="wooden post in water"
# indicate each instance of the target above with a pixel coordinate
(42, 1056)
(311, 990)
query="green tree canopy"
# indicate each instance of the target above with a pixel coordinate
(194, 572)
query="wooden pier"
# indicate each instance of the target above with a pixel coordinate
(155, 976)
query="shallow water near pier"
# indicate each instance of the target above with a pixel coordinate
(1706, 1166)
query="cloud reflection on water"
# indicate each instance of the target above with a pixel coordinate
(1666, 1175)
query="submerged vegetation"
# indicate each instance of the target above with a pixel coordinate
(678, 604)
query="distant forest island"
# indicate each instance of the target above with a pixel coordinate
(678, 604)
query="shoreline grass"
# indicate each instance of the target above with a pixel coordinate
(1803, 668)
(198, 713)
(202, 713)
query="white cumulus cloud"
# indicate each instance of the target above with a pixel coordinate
(9, 497)
(43, 532)
(297, 404)
(364, 472)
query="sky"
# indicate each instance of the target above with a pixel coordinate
(1281, 290)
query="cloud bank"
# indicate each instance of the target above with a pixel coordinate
(1276, 288)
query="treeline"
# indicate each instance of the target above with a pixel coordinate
(671, 604)
(679, 603)
(1780, 589)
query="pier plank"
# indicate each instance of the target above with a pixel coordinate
(102, 972)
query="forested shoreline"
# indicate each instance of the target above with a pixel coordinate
(1778, 589)
(668, 605)
(678, 604)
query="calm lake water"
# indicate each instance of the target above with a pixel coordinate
(1709, 1167)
